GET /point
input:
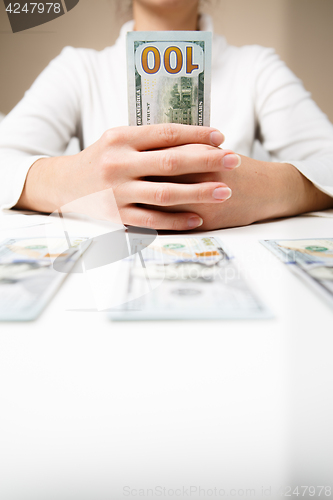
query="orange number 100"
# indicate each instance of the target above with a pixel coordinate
(167, 63)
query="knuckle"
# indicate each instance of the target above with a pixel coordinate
(201, 194)
(170, 133)
(113, 135)
(213, 160)
(169, 163)
(162, 195)
(218, 158)
(149, 221)
(177, 224)
(108, 135)
(204, 135)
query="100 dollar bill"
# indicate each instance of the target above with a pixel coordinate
(180, 277)
(311, 259)
(169, 77)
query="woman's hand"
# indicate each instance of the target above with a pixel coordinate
(122, 159)
(260, 191)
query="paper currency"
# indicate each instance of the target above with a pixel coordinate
(196, 279)
(169, 77)
(311, 259)
(27, 277)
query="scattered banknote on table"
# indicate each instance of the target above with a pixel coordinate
(27, 277)
(169, 77)
(311, 259)
(180, 277)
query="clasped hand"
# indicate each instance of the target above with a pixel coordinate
(145, 167)
(173, 177)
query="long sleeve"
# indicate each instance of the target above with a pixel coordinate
(291, 126)
(253, 94)
(41, 125)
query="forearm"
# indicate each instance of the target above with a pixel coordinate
(260, 191)
(47, 186)
(274, 190)
(299, 195)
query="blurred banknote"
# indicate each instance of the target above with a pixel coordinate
(27, 277)
(310, 259)
(169, 77)
(196, 279)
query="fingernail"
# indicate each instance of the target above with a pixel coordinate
(231, 161)
(216, 138)
(222, 193)
(194, 222)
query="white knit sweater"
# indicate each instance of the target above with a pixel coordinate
(83, 92)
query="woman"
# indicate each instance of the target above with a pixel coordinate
(169, 176)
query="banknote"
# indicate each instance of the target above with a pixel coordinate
(27, 277)
(311, 259)
(197, 279)
(169, 77)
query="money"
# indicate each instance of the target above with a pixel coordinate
(186, 278)
(27, 277)
(312, 260)
(169, 77)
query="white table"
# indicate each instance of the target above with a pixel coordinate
(89, 406)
